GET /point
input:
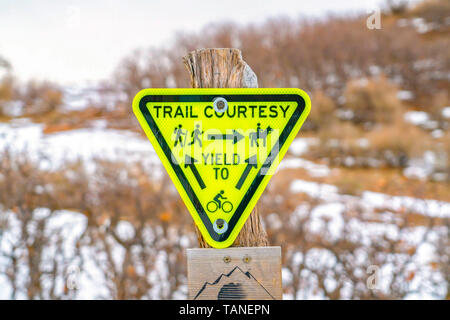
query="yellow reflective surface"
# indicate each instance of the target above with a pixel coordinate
(220, 155)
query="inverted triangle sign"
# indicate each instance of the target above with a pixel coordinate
(221, 147)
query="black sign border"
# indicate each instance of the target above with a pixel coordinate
(301, 104)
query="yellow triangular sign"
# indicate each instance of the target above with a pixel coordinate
(221, 147)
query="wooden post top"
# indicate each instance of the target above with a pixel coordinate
(219, 68)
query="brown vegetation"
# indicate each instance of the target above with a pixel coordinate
(40, 98)
(353, 76)
(301, 53)
(158, 222)
(435, 12)
(106, 200)
(372, 101)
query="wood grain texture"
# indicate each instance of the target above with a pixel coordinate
(225, 68)
(246, 273)
(219, 68)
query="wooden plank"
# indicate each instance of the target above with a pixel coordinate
(245, 273)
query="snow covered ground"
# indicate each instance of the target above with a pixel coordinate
(374, 200)
(85, 265)
(81, 144)
(62, 229)
(80, 264)
(379, 222)
(81, 97)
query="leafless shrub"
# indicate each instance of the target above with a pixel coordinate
(135, 231)
(433, 11)
(334, 255)
(372, 100)
(338, 141)
(40, 97)
(7, 88)
(124, 212)
(437, 104)
(397, 7)
(4, 64)
(301, 53)
(323, 113)
(33, 257)
(389, 143)
(156, 227)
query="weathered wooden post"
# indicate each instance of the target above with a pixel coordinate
(250, 269)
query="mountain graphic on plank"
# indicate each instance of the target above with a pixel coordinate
(235, 285)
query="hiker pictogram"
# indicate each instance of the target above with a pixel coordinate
(196, 135)
(179, 132)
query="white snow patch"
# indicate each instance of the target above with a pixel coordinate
(446, 112)
(125, 230)
(286, 276)
(421, 168)
(317, 258)
(437, 133)
(313, 189)
(83, 144)
(327, 217)
(301, 145)
(62, 229)
(313, 169)
(13, 108)
(369, 199)
(431, 208)
(79, 98)
(416, 117)
(274, 220)
(405, 95)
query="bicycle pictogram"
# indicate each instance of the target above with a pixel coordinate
(217, 203)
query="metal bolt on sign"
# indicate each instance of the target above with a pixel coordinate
(220, 104)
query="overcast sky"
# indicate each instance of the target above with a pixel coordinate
(77, 41)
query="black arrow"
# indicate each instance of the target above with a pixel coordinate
(251, 164)
(235, 136)
(269, 160)
(271, 157)
(189, 162)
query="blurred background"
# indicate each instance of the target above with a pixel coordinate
(360, 204)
